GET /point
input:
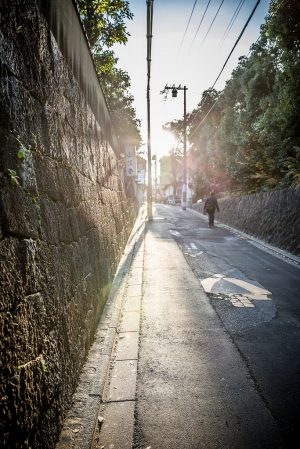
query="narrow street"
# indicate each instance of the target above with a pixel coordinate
(219, 358)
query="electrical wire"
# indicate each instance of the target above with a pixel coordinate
(200, 23)
(233, 18)
(187, 25)
(272, 15)
(272, 1)
(237, 41)
(211, 24)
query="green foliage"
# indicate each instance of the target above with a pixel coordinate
(34, 146)
(293, 166)
(250, 139)
(22, 148)
(171, 166)
(103, 21)
(104, 24)
(13, 177)
(116, 84)
(21, 154)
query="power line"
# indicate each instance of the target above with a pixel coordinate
(238, 39)
(233, 18)
(188, 24)
(211, 24)
(200, 23)
(272, 15)
(207, 112)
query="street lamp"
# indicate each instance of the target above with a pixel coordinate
(174, 95)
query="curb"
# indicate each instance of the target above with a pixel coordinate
(79, 425)
(253, 240)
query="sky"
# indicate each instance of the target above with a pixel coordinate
(182, 59)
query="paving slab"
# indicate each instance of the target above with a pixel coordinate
(137, 264)
(137, 273)
(132, 304)
(134, 280)
(128, 346)
(122, 381)
(117, 429)
(139, 255)
(130, 322)
(134, 289)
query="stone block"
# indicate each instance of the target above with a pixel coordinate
(117, 429)
(66, 223)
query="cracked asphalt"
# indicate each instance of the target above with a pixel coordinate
(235, 370)
(206, 351)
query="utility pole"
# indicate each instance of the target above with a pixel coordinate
(174, 95)
(149, 4)
(156, 176)
(154, 158)
(184, 151)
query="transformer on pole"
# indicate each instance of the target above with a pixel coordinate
(174, 95)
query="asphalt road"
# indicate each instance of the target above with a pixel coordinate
(219, 352)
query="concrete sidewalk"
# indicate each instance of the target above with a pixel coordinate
(165, 373)
(115, 341)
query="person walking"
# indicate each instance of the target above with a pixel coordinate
(211, 204)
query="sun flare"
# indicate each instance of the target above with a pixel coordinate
(162, 143)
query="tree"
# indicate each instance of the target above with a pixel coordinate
(248, 135)
(171, 170)
(205, 154)
(104, 23)
(116, 84)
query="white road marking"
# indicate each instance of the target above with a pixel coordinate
(255, 292)
(237, 300)
(193, 246)
(208, 284)
(173, 232)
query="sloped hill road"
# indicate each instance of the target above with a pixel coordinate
(228, 379)
(206, 350)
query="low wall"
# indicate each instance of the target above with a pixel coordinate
(273, 217)
(64, 221)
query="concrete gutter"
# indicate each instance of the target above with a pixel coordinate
(120, 320)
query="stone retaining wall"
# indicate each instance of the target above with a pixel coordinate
(64, 221)
(273, 217)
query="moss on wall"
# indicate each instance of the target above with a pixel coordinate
(64, 222)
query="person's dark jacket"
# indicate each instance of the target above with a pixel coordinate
(211, 204)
